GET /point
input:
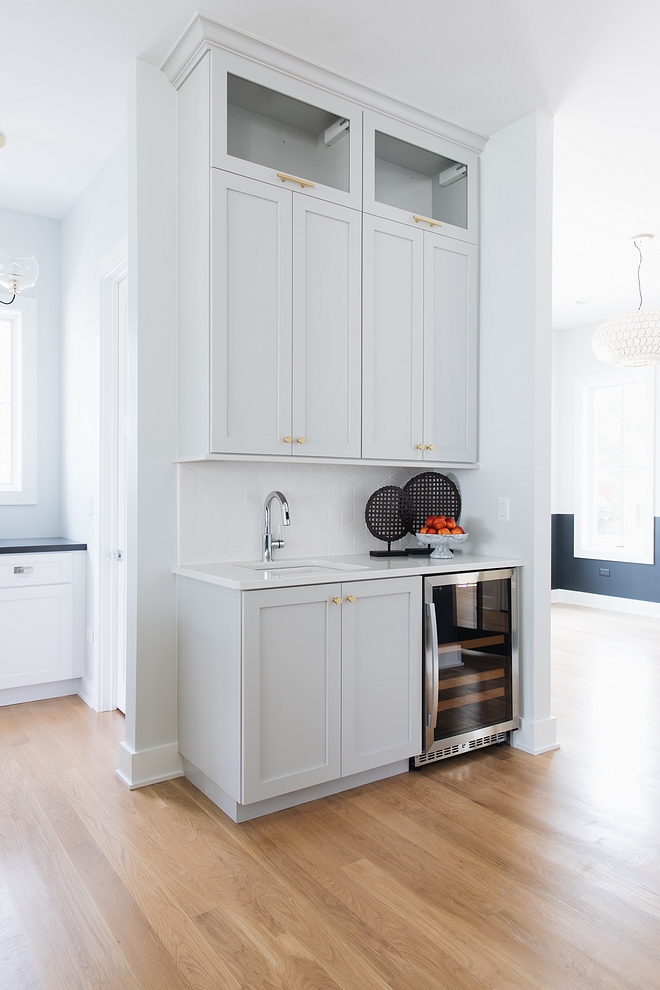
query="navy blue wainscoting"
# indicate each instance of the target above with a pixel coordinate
(641, 581)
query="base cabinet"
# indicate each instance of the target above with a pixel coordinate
(42, 619)
(286, 688)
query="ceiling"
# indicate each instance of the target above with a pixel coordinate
(591, 63)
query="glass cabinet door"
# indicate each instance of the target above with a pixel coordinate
(416, 177)
(274, 128)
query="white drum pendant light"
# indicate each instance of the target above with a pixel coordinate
(631, 340)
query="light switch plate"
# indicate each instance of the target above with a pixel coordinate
(503, 509)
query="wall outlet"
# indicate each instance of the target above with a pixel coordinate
(503, 510)
(604, 571)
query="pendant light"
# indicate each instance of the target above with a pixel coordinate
(17, 271)
(631, 340)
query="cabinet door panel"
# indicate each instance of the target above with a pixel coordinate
(382, 672)
(450, 349)
(250, 316)
(326, 329)
(291, 690)
(36, 644)
(393, 340)
(264, 122)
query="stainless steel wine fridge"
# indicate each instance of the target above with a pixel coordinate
(470, 681)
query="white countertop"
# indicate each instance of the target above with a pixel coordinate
(241, 576)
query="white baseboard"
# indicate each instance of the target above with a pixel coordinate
(39, 692)
(633, 606)
(536, 737)
(148, 766)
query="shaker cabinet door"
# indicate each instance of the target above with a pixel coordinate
(393, 340)
(382, 672)
(450, 349)
(326, 329)
(291, 689)
(37, 639)
(251, 249)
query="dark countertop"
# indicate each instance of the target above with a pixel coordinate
(43, 544)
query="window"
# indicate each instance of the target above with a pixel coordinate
(18, 399)
(614, 469)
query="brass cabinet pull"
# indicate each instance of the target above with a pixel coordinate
(430, 446)
(351, 598)
(288, 439)
(418, 219)
(337, 601)
(301, 440)
(420, 446)
(294, 178)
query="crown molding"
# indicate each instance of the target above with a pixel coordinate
(204, 32)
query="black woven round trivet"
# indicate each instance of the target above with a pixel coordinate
(389, 515)
(432, 494)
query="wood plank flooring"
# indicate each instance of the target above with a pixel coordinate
(495, 870)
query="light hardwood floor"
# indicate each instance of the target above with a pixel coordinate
(494, 870)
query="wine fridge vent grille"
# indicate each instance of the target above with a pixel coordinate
(455, 750)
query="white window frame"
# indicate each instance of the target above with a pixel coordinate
(23, 315)
(584, 387)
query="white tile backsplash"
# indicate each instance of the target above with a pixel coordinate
(221, 502)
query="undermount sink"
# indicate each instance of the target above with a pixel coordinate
(303, 566)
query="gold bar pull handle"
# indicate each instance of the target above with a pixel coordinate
(418, 219)
(295, 178)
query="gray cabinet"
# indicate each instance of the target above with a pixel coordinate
(420, 344)
(285, 322)
(283, 689)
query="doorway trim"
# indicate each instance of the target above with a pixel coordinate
(114, 269)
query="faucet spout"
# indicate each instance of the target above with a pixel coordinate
(268, 543)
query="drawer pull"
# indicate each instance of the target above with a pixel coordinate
(19, 569)
(337, 601)
(351, 598)
(294, 178)
(432, 223)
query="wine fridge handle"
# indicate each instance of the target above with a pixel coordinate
(431, 672)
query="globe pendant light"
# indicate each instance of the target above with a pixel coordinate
(17, 271)
(631, 340)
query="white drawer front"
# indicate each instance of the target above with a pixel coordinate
(30, 569)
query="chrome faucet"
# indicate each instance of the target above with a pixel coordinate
(268, 543)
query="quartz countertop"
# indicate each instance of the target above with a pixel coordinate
(40, 544)
(241, 575)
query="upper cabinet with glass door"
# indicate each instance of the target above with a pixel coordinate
(272, 127)
(419, 178)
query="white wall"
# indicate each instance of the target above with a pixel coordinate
(515, 393)
(573, 358)
(150, 750)
(40, 236)
(92, 229)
